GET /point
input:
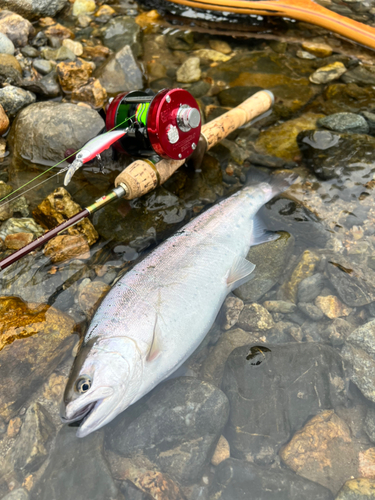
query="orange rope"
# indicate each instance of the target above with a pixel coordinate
(303, 10)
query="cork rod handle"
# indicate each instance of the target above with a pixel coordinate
(142, 176)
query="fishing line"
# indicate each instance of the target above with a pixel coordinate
(49, 169)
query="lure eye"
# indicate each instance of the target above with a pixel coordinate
(83, 384)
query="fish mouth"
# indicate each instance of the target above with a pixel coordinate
(78, 416)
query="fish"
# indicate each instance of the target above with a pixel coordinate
(158, 313)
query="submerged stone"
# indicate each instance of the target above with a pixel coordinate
(345, 122)
(121, 31)
(14, 26)
(121, 72)
(13, 99)
(357, 489)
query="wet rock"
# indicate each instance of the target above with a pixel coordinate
(6, 45)
(60, 54)
(33, 443)
(77, 469)
(14, 427)
(47, 86)
(18, 240)
(33, 340)
(25, 225)
(121, 31)
(213, 367)
(235, 95)
(231, 311)
(81, 7)
(121, 72)
(58, 31)
(273, 390)
(4, 121)
(91, 296)
(106, 10)
(177, 428)
(43, 131)
(75, 47)
(328, 73)
(323, 451)
(189, 71)
(154, 485)
(10, 69)
(268, 160)
(15, 27)
(369, 426)
(222, 451)
(309, 288)
(180, 40)
(73, 74)
(92, 93)
(58, 207)
(279, 306)
(357, 489)
(360, 74)
(66, 247)
(317, 49)
(33, 10)
(303, 54)
(345, 122)
(255, 318)
(354, 284)
(235, 480)
(13, 99)
(332, 307)
(366, 467)
(270, 260)
(98, 53)
(281, 140)
(29, 51)
(209, 55)
(304, 269)
(220, 46)
(199, 89)
(312, 311)
(370, 118)
(17, 494)
(43, 66)
(339, 97)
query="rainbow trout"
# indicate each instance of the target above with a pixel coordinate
(157, 314)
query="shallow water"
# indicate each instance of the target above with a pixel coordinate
(278, 401)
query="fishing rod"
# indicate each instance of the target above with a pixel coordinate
(302, 10)
(167, 125)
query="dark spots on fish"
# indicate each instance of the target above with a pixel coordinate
(257, 354)
(83, 384)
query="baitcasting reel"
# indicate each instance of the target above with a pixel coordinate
(167, 125)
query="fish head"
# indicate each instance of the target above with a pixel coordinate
(104, 380)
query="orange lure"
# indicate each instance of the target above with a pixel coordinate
(303, 10)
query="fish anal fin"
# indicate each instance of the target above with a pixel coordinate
(155, 348)
(261, 233)
(240, 272)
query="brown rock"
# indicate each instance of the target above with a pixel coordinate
(91, 296)
(57, 208)
(318, 49)
(73, 74)
(65, 247)
(332, 307)
(366, 466)
(255, 317)
(304, 269)
(105, 10)
(92, 93)
(220, 46)
(231, 311)
(156, 484)
(14, 427)
(18, 240)
(15, 27)
(148, 19)
(99, 52)
(59, 31)
(4, 121)
(357, 489)
(323, 451)
(44, 22)
(55, 387)
(10, 69)
(33, 340)
(75, 47)
(222, 451)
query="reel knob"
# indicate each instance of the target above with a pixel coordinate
(188, 118)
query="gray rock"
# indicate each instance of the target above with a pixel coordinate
(176, 428)
(121, 31)
(29, 51)
(310, 288)
(345, 122)
(32, 9)
(77, 469)
(270, 260)
(360, 74)
(273, 389)
(199, 89)
(370, 118)
(26, 225)
(121, 72)
(6, 45)
(17, 494)
(279, 306)
(15, 27)
(10, 69)
(189, 71)
(369, 426)
(238, 480)
(180, 40)
(48, 86)
(337, 331)
(13, 99)
(60, 54)
(311, 310)
(44, 130)
(255, 318)
(39, 40)
(43, 66)
(327, 73)
(32, 445)
(231, 311)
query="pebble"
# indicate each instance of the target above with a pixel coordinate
(4, 121)
(10, 69)
(75, 47)
(357, 489)
(279, 306)
(189, 71)
(231, 311)
(309, 288)
(17, 494)
(328, 73)
(332, 307)
(345, 122)
(121, 31)
(58, 31)
(361, 74)
(366, 466)
(91, 295)
(13, 99)
(317, 49)
(81, 7)
(66, 247)
(311, 310)
(73, 74)
(43, 66)
(303, 54)
(83, 20)
(104, 10)
(220, 46)
(6, 45)
(14, 427)
(120, 72)
(18, 240)
(211, 55)
(24, 225)
(29, 51)
(305, 268)
(15, 27)
(92, 93)
(222, 451)
(255, 318)
(59, 54)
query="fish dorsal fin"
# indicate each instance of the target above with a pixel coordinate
(261, 233)
(155, 348)
(239, 272)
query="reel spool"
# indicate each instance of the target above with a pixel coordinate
(167, 124)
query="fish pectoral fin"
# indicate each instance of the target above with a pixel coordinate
(240, 272)
(261, 234)
(155, 347)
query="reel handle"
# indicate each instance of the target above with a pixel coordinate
(142, 175)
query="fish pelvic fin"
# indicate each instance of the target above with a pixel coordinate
(155, 347)
(261, 234)
(239, 273)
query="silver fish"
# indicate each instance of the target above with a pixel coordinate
(156, 315)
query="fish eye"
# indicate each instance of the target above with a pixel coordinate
(83, 384)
